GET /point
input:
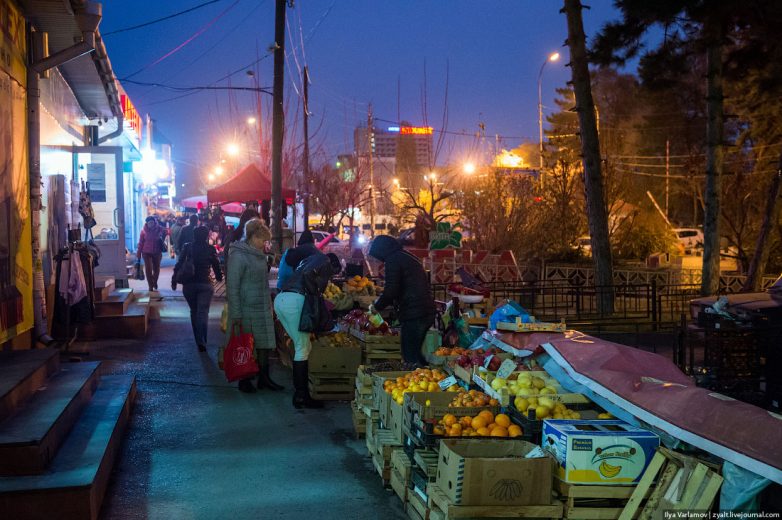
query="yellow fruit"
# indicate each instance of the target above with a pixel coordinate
(502, 420)
(514, 430)
(439, 430)
(428, 402)
(454, 388)
(479, 422)
(456, 430)
(538, 383)
(547, 402)
(521, 404)
(499, 431)
(449, 419)
(486, 414)
(609, 471)
(466, 422)
(541, 412)
(483, 432)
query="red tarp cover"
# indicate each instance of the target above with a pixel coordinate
(249, 184)
(655, 391)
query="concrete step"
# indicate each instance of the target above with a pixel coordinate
(132, 324)
(22, 372)
(30, 439)
(116, 303)
(74, 484)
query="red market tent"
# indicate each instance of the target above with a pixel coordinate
(192, 203)
(249, 184)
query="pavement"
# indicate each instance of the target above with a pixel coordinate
(197, 448)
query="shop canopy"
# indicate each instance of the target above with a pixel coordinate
(249, 184)
(653, 390)
(193, 203)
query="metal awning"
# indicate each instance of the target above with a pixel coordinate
(90, 76)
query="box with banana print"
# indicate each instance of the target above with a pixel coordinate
(599, 452)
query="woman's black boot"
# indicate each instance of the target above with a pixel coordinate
(264, 380)
(246, 386)
(301, 395)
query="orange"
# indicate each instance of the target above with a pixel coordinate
(491, 426)
(483, 432)
(494, 402)
(466, 422)
(514, 430)
(449, 419)
(499, 431)
(502, 420)
(478, 422)
(456, 430)
(439, 430)
(486, 414)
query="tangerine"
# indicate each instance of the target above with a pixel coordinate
(449, 419)
(456, 430)
(514, 430)
(466, 421)
(499, 431)
(486, 414)
(478, 422)
(502, 420)
(483, 432)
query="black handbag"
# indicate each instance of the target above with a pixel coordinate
(315, 315)
(184, 270)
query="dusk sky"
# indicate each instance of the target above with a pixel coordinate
(358, 51)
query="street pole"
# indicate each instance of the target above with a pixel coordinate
(306, 148)
(277, 123)
(667, 172)
(551, 57)
(370, 133)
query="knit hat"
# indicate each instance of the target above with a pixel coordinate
(306, 238)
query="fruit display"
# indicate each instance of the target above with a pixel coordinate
(451, 351)
(527, 384)
(389, 366)
(360, 286)
(483, 424)
(545, 408)
(419, 380)
(363, 321)
(472, 399)
(338, 339)
(477, 358)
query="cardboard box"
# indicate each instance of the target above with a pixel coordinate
(599, 452)
(381, 399)
(396, 420)
(334, 360)
(485, 472)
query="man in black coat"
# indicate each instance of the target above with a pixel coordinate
(187, 235)
(407, 289)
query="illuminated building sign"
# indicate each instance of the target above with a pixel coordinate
(416, 130)
(393, 128)
(130, 114)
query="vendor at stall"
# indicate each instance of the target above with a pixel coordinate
(407, 289)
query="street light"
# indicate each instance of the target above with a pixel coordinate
(552, 57)
(232, 149)
(219, 171)
(469, 168)
(251, 120)
(211, 177)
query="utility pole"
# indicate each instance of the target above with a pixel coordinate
(370, 134)
(306, 148)
(278, 122)
(667, 173)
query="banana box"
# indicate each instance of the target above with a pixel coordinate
(599, 452)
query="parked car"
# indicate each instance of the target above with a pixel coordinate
(320, 236)
(690, 238)
(584, 244)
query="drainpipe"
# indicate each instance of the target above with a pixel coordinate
(88, 19)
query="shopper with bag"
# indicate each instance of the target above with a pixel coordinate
(301, 310)
(407, 289)
(192, 271)
(249, 299)
(151, 244)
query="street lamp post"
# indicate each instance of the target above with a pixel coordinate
(552, 57)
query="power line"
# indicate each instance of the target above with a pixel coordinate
(158, 20)
(197, 88)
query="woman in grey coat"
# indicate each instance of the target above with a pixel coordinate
(249, 298)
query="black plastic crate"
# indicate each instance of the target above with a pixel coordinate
(531, 427)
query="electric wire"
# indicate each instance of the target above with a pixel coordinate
(158, 20)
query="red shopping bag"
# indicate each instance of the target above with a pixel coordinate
(239, 356)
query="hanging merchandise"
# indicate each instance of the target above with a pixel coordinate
(85, 207)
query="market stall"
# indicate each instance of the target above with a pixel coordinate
(557, 425)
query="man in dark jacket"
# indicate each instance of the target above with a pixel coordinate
(186, 236)
(407, 289)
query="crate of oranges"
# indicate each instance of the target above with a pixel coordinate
(482, 424)
(420, 407)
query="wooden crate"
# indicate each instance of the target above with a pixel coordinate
(416, 507)
(426, 460)
(370, 433)
(382, 470)
(400, 473)
(385, 444)
(359, 420)
(583, 502)
(439, 502)
(332, 387)
(695, 481)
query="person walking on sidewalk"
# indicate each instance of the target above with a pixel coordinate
(151, 244)
(249, 298)
(186, 235)
(310, 278)
(407, 289)
(176, 230)
(198, 290)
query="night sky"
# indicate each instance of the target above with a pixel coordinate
(358, 52)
